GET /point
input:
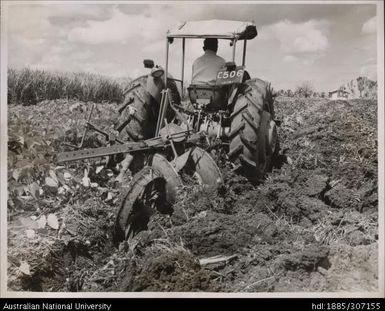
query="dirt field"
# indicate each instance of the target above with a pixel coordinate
(311, 226)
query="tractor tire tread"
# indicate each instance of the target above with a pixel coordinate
(245, 134)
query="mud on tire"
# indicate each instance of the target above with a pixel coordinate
(251, 149)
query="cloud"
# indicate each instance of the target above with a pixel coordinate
(39, 20)
(117, 28)
(307, 37)
(145, 23)
(290, 59)
(121, 28)
(370, 26)
(35, 36)
(308, 61)
(28, 24)
(71, 10)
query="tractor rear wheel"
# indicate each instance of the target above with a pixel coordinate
(253, 136)
(139, 113)
(137, 119)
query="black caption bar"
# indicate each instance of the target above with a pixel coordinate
(109, 304)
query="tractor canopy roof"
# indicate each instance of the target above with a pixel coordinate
(215, 28)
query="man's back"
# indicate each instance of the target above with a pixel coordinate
(206, 67)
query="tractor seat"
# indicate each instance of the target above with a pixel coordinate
(213, 97)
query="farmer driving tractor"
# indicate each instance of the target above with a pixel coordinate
(206, 67)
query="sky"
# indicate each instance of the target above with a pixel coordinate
(326, 44)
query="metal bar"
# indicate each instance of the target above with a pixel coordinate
(85, 129)
(160, 113)
(105, 134)
(183, 53)
(234, 45)
(171, 136)
(94, 128)
(98, 152)
(164, 109)
(244, 53)
(153, 143)
(230, 37)
(166, 71)
(173, 79)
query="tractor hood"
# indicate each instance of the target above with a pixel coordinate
(220, 29)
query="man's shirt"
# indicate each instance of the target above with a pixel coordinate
(206, 67)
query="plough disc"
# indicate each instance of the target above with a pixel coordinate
(169, 173)
(154, 188)
(205, 168)
(145, 194)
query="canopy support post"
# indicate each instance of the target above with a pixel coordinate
(244, 53)
(234, 45)
(166, 71)
(183, 53)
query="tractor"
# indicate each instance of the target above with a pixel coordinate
(169, 134)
